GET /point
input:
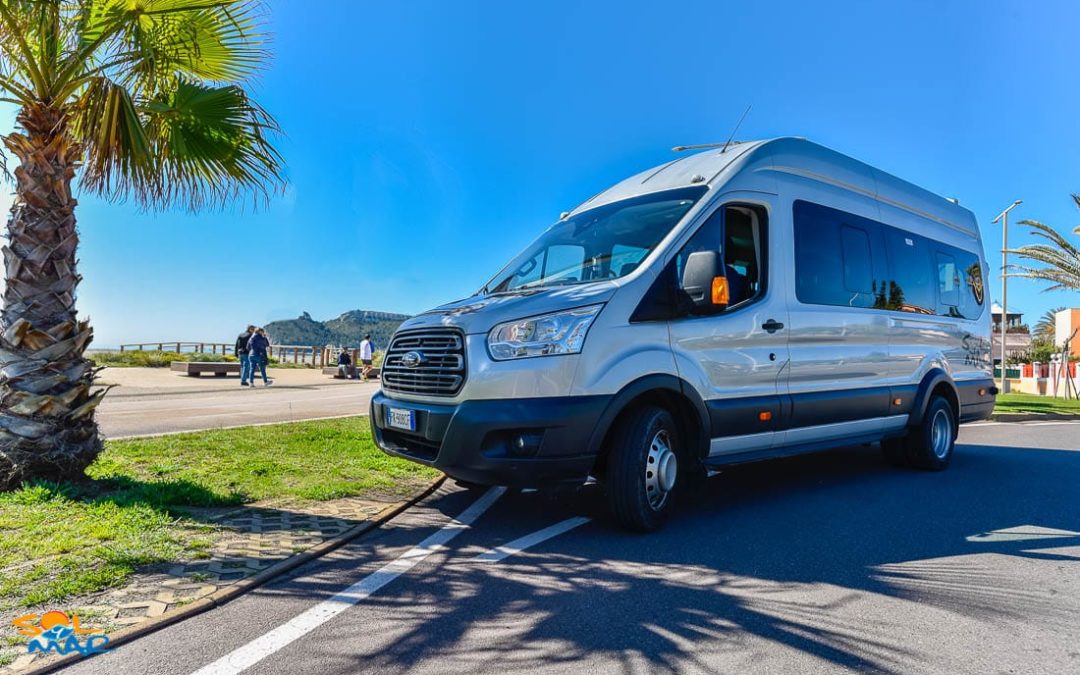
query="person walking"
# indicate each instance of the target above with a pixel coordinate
(367, 353)
(343, 363)
(258, 345)
(244, 354)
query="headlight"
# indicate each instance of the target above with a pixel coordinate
(559, 333)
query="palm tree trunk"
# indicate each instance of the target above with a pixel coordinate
(47, 428)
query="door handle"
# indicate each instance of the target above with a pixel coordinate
(771, 326)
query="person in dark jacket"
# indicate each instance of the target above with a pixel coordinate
(258, 345)
(343, 363)
(244, 354)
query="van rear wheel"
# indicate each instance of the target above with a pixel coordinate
(643, 468)
(929, 445)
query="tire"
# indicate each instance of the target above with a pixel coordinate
(643, 468)
(929, 446)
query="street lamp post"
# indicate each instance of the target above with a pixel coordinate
(1004, 218)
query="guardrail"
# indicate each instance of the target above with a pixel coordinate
(306, 354)
(181, 347)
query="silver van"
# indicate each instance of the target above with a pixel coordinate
(765, 299)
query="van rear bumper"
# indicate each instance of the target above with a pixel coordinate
(531, 442)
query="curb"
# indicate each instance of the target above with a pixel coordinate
(1035, 417)
(241, 587)
(159, 434)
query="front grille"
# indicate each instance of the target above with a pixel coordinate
(441, 370)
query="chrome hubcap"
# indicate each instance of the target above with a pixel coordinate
(940, 434)
(661, 468)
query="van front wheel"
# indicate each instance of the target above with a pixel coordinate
(643, 468)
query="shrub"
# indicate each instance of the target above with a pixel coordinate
(151, 359)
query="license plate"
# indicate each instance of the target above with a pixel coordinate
(400, 418)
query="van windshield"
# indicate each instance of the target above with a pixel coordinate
(607, 242)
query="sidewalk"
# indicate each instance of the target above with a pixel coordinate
(156, 400)
(254, 544)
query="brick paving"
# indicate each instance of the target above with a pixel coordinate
(249, 540)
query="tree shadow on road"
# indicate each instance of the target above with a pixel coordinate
(777, 557)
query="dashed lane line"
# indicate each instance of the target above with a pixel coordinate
(280, 637)
(518, 545)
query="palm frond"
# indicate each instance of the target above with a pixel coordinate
(1060, 258)
(16, 29)
(210, 145)
(117, 151)
(155, 42)
(1046, 327)
(154, 93)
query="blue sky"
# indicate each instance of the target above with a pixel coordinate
(428, 142)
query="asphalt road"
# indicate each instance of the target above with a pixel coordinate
(833, 562)
(156, 400)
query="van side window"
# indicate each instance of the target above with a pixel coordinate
(911, 287)
(849, 261)
(707, 238)
(738, 234)
(969, 286)
(948, 285)
(858, 267)
(973, 278)
(834, 261)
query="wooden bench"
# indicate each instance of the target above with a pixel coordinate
(197, 368)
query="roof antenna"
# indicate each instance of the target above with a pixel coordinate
(739, 124)
(702, 146)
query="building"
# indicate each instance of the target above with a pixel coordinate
(1067, 328)
(1015, 319)
(1018, 338)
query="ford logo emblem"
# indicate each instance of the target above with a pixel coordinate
(412, 359)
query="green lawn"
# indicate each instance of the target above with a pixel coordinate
(1029, 403)
(57, 541)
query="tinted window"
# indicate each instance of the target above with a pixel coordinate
(970, 291)
(948, 285)
(858, 271)
(911, 287)
(973, 277)
(834, 261)
(840, 259)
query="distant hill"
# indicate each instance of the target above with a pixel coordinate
(346, 330)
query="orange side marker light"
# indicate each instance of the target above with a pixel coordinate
(721, 295)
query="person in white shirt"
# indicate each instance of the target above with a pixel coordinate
(367, 350)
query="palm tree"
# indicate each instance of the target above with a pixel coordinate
(1046, 327)
(139, 99)
(1060, 259)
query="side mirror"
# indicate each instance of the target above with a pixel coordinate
(703, 283)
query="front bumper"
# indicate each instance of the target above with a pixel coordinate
(532, 442)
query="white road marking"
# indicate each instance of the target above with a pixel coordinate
(269, 643)
(1022, 533)
(1022, 424)
(518, 545)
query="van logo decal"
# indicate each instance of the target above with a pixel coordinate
(412, 359)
